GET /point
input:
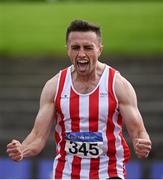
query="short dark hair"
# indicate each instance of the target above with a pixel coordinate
(83, 26)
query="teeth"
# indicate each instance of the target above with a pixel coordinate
(82, 61)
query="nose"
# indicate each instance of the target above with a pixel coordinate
(81, 53)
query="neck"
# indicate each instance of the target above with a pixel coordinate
(85, 84)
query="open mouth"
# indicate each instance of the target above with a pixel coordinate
(82, 64)
(82, 61)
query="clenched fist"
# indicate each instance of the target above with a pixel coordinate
(14, 150)
(142, 148)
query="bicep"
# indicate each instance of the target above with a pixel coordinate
(132, 119)
(44, 120)
(128, 107)
(46, 114)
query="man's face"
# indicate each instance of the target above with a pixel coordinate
(83, 50)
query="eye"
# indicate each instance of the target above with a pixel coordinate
(75, 47)
(88, 48)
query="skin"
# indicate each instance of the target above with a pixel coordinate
(37, 139)
(131, 116)
(83, 49)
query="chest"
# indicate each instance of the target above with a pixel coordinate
(85, 107)
(85, 112)
(85, 87)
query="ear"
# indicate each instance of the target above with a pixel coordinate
(100, 49)
(67, 48)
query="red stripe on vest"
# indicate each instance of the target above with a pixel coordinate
(75, 127)
(125, 146)
(74, 111)
(93, 127)
(61, 160)
(94, 111)
(112, 171)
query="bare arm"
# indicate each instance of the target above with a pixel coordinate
(133, 120)
(36, 140)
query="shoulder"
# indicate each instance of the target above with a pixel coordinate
(121, 82)
(52, 82)
(123, 89)
(50, 88)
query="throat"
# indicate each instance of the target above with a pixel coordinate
(85, 85)
(84, 88)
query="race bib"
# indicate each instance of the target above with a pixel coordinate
(84, 144)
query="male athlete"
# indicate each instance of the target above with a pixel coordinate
(89, 101)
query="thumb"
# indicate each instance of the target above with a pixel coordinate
(136, 141)
(14, 141)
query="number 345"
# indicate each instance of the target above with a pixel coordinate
(84, 148)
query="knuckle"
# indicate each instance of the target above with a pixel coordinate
(10, 155)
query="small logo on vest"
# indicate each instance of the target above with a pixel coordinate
(103, 94)
(65, 96)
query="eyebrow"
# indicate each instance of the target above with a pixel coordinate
(86, 45)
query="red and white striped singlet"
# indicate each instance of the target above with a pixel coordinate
(77, 115)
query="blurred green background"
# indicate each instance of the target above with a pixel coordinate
(129, 27)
